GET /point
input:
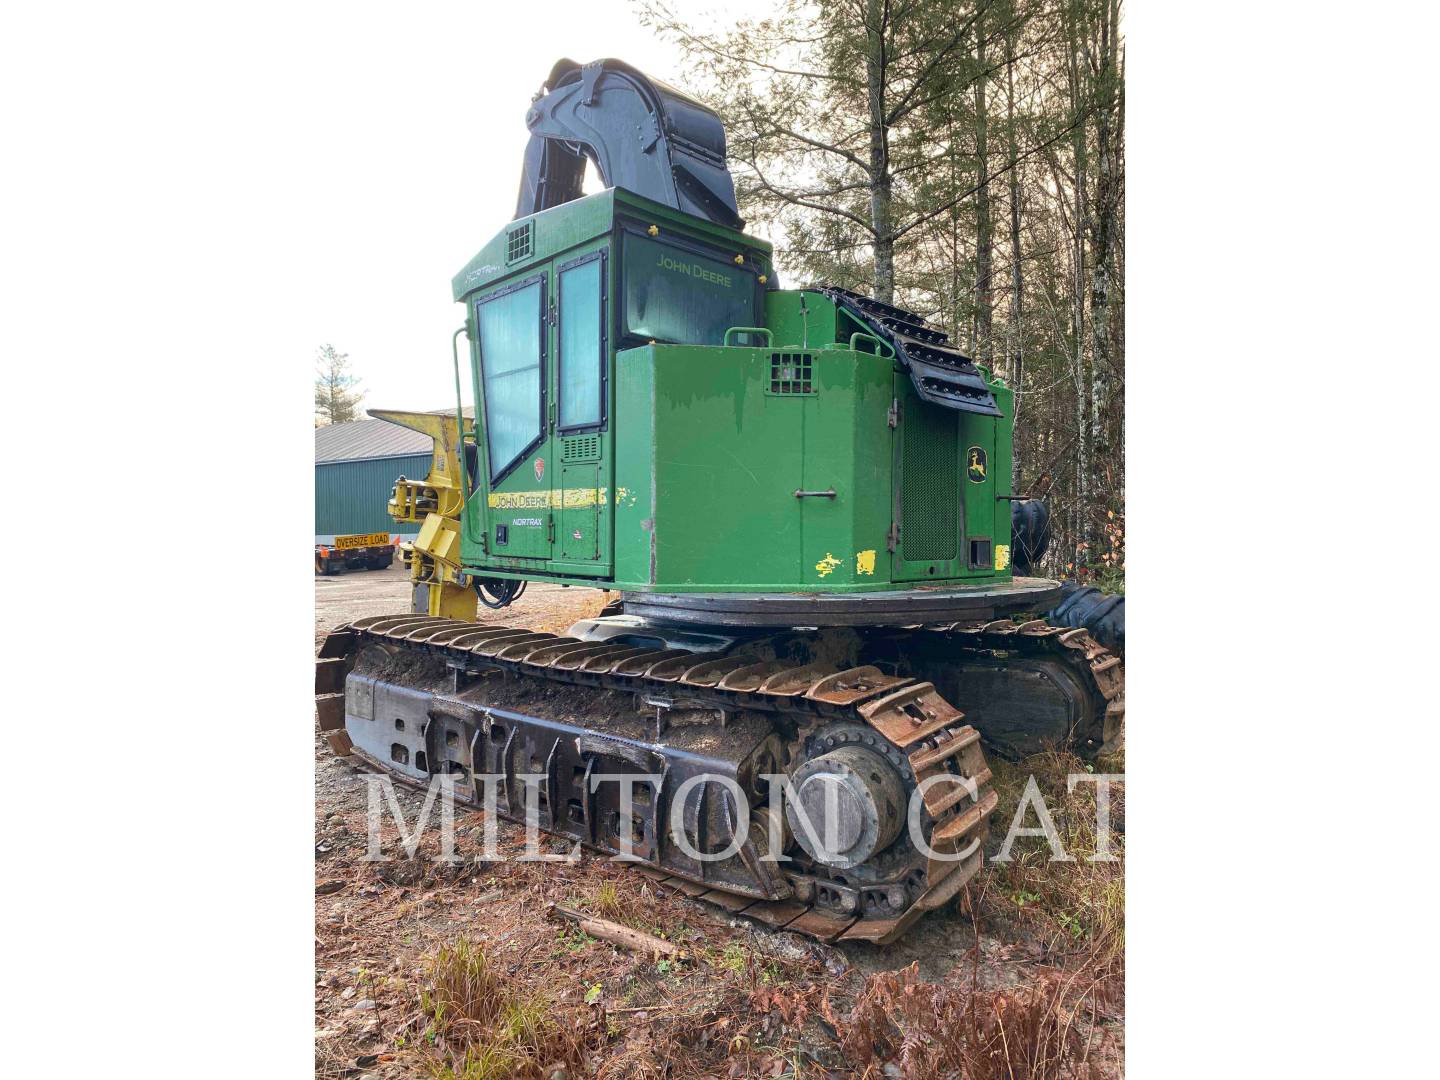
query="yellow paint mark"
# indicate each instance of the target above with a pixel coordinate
(827, 564)
(1002, 556)
(865, 562)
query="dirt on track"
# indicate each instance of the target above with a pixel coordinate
(747, 1002)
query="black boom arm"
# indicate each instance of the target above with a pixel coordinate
(642, 135)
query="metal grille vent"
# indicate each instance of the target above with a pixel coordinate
(517, 243)
(929, 484)
(790, 373)
(580, 448)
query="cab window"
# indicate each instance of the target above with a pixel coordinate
(511, 357)
(582, 344)
(675, 295)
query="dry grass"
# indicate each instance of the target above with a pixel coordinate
(479, 1024)
(606, 901)
(931, 1031)
(1077, 908)
(736, 1013)
(471, 982)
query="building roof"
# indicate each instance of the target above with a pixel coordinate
(370, 438)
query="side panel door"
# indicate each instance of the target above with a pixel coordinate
(929, 473)
(512, 331)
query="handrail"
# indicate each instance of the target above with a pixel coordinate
(460, 414)
(769, 337)
(876, 340)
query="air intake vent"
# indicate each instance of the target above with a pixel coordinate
(580, 448)
(517, 243)
(930, 484)
(790, 373)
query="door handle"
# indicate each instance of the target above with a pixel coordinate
(828, 493)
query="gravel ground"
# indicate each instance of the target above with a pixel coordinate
(354, 595)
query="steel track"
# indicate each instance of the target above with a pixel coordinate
(927, 732)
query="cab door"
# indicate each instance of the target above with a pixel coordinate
(513, 345)
(580, 490)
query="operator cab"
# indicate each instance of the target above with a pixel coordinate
(551, 302)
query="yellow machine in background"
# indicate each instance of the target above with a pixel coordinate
(434, 504)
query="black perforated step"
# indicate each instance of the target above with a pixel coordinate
(941, 375)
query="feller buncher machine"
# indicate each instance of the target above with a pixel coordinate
(802, 498)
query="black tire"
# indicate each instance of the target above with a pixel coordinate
(1029, 534)
(1103, 614)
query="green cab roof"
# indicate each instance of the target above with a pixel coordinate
(537, 238)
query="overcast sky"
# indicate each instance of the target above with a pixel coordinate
(418, 131)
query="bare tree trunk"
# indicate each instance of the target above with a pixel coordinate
(984, 229)
(1106, 211)
(1015, 337)
(956, 302)
(1077, 311)
(879, 153)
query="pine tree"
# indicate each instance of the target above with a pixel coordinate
(337, 394)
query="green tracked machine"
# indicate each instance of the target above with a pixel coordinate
(802, 498)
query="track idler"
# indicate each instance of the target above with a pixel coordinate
(853, 800)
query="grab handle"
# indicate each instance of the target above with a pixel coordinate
(880, 345)
(769, 337)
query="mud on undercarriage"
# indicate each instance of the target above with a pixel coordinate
(840, 725)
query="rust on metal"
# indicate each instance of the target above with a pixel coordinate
(330, 711)
(732, 902)
(710, 672)
(776, 913)
(855, 684)
(576, 658)
(608, 661)
(746, 680)
(818, 924)
(938, 799)
(330, 675)
(965, 738)
(495, 645)
(427, 633)
(645, 659)
(794, 681)
(551, 655)
(671, 668)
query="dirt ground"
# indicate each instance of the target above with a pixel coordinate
(746, 1002)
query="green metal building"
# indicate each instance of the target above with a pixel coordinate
(355, 467)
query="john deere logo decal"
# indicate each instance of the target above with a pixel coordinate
(975, 465)
(539, 468)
